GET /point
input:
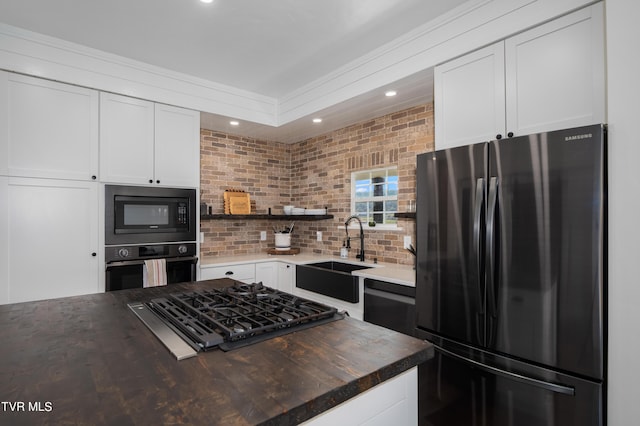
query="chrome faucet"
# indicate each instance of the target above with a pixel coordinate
(346, 229)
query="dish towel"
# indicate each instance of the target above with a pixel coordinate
(154, 273)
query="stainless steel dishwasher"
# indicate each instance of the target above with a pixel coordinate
(390, 305)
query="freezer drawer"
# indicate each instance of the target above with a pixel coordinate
(455, 390)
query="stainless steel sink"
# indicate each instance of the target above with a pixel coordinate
(331, 279)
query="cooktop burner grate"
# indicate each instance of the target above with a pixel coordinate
(240, 314)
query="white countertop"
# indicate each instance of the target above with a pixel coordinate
(394, 273)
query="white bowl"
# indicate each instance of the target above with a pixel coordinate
(287, 209)
(315, 211)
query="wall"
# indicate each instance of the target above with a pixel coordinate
(313, 173)
(260, 168)
(623, 68)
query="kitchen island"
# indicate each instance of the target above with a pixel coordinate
(90, 360)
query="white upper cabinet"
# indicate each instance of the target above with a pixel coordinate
(469, 98)
(548, 78)
(126, 139)
(50, 129)
(555, 74)
(146, 143)
(177, 149)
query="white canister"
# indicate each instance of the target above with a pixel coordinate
(344, 253)
(283, 241)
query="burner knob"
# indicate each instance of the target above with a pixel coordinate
(182, 249)
(123, 252)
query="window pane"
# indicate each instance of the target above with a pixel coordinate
(363, 191)
(379, 190)
(392, 189)
(367, 186)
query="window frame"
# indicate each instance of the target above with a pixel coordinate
(378, 198)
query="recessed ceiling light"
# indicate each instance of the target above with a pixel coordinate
(206, 1)
(234, 123)
(317, 120)
(390, 93)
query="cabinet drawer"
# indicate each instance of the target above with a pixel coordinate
(237, 272)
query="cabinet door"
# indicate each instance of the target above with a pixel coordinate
(177, 149)
(4, 239)
(286, 275)
(4, 123)
(126, 139)
(469, 98)
(267, 273)
(52, 129)
(52, 239)
(245, 272)
(555, 74)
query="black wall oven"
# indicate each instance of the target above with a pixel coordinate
(146, 227)
(126, 264)
(143, 215)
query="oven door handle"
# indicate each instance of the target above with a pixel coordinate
(191, 259)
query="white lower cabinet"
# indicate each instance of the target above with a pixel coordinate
(278, 275)
(50, 237)
(394, 402)
(242, 272)
(267, 274)
(286, 276)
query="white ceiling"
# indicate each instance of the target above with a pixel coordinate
(269, 48)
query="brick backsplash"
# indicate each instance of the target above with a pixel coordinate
(313, 173)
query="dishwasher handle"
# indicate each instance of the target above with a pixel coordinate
(407, 300)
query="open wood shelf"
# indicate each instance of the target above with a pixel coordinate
(291, 217)
(406, 215)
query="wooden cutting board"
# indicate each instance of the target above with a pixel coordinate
(239, 204)
(240, 200)
(289, 251)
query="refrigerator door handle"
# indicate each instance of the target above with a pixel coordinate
(477, 245)
(491, 246)
(553, 387)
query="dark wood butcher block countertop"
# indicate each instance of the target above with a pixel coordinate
(90, 360)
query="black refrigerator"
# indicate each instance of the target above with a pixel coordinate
(511, 280)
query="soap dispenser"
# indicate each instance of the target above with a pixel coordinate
(344, 253)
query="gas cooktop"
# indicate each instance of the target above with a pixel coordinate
(231, 317)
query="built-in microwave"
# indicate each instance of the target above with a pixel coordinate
(143, 215)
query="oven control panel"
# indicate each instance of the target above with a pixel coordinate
(153, 251)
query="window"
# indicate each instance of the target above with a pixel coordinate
(374, 195)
